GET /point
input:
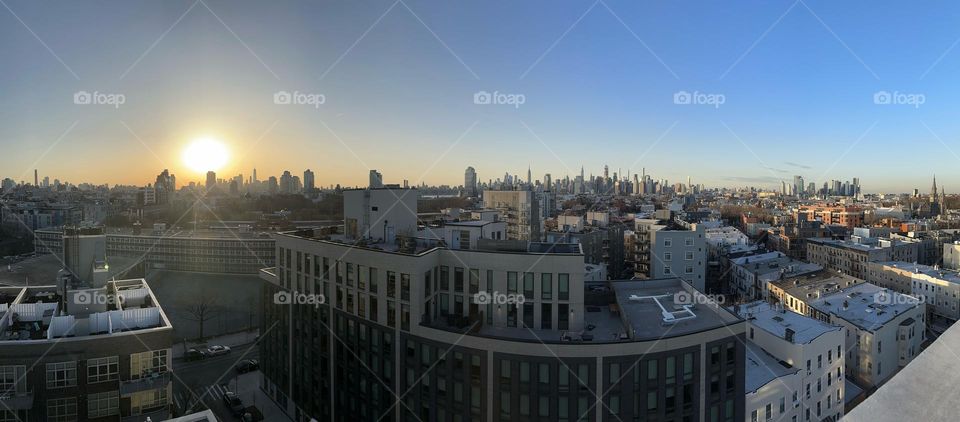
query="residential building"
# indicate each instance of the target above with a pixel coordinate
(843, 215)
(851, 256)
(664, 248)
(813, 349)
(443, 329)
(380, 213)
(520, 209)
(71, 352)
(749, 275)
(938, 288)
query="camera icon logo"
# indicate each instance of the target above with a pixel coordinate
(882, 97)
(282, 298)
(482, 298)
(683, 298)
(84, 298)
(82, 97)
(282, 98)
(682, 97)
(482, 98)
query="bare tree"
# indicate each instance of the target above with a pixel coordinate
(204, 308)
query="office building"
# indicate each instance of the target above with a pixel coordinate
(211, 179)
(470, 182)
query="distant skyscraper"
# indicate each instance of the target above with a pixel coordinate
(37, 182)
(376, 179)
(211, 179)
(308, 181)
(286, 182)
(254, 175)
(470, 181)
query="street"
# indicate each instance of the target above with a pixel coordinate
(200, 385)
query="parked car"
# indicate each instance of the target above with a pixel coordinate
(217, 350)
(247, 365)
(194, 354)
(233, 403)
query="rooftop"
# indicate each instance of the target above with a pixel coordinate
(762, 369)
(659, 308)
(947, 275)
(776, 321)
(43, 268)
(866, 305)
(811, 286)
(42, 313)
(773, 265)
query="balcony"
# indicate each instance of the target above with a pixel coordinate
(16, 401)
(147, 383)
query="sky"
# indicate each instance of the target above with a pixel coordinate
(822, 89)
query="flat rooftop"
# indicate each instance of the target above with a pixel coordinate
(179, 233)
(846, 244)
(866, 305)
(427, 239)
(769, 318)
(773, 265)
(662, 308)
(43, 313)
(947, 275)
(762, 368)
(41, 269)
(811, 286)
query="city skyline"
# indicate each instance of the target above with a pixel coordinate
(794, 88)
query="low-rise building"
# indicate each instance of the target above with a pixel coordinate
(815, 349)
(851, 256)
(938, 288)
(72, 353)
(750, 275)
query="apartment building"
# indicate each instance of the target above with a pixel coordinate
(884, 329)
(663, 249)
(842, 215)
(808, 351)
(112, 356)
(938, 288)
(749, 275)
(520, 209)
(490, 333)
(851, 256)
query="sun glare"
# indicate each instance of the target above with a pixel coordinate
(205, 154)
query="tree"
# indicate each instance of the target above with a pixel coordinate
(203, 309)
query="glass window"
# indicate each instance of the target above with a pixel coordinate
(546, 286)
(61, 374)
(103, 369)
(563, 286)
(103, 404)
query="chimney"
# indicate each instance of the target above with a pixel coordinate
(788, 335)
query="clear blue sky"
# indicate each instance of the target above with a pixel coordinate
(798, 81)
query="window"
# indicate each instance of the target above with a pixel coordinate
(546, 286)
(148, 363)
(511, 282)
(103, 369)
(62, 374)
(458, 279)
(668, 242)
(667, 256)
(13, 379)
(147, 401)
(528, 285)
(62, 410)
(405, 286)
(563, 286)
(103, 404)
(688, 241)
(391, 284)
(688, 256)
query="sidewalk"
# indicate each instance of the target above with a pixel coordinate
(231, 340)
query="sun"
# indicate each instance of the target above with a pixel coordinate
(205, 154)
